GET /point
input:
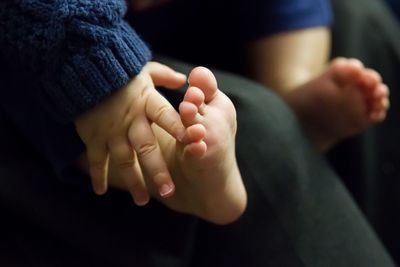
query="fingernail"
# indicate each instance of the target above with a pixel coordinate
(181, 75)
(100, 190)
(166, 190)
(141, 199)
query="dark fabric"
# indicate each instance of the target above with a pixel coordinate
(245, 20)
(83, 85)
(260, 18)
(299, 213)
(220, 27)
(73, 53)
(45, 222)
(395, 5)
(58, 143)
(369, 164)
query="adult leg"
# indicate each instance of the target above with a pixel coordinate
(299, 214)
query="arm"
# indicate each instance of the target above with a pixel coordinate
(118, 133)
(287, 60)
(80, 55)
(76, 53)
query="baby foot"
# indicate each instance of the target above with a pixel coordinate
(343, 101)
(204, 169)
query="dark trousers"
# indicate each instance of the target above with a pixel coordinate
(369, 164)
(299, 213)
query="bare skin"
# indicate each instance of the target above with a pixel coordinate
(333, 100)
(118, 131)
(343, 101)
(203, 166)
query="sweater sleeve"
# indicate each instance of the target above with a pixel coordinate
(74, 52)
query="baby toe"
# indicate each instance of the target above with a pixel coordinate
(196, 150)
(204, 79)
(188, 113)
(195, 133)
(346, 71)
(194, 95)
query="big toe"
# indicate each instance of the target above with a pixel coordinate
(204, 79)
(346, 71)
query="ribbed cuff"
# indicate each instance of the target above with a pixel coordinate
(95, 73)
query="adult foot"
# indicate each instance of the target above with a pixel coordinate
(204, 169)
(342, 102)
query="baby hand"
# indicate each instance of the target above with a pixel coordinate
(118, 130)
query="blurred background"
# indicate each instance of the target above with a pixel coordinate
(370, 164)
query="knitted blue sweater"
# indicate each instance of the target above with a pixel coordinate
(74, 52)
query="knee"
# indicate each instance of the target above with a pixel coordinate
(262, 112)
